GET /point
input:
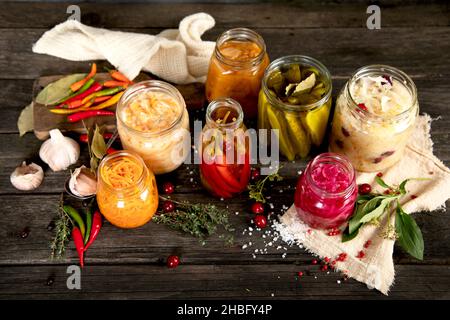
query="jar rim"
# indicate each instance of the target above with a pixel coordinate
(240, 33)
(123, 153)
(225, 102)
(336, 158)
(309, 61)
(145, 86)
(382, 69)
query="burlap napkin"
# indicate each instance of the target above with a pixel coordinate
(176, 55)
(376, 269)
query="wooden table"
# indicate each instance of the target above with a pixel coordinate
(128, 263)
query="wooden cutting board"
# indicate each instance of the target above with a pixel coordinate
(44, 120)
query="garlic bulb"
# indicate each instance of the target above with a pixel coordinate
(27, 177)
(83, 182)
(59, 152)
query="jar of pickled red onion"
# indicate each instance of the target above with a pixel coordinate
(326, 191)
(237, 67)
(152, 120)
(127, 194)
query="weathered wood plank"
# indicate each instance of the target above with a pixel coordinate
(335, 47)
(263, 15)
(214, 282)
(152, 242)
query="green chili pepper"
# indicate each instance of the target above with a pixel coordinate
(88, 224)
(76, 217)
(105, 92)
(86, 86)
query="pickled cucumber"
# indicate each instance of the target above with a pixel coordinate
(262, 111)
(277, 121)
(276, 81)
(315, 122)
(293, 74)
(297, 134)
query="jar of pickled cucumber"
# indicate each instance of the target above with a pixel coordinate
(225, 149)
(295, 99)
(374, 117)
(237, 67)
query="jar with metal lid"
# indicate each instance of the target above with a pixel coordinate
(127, 194)
(153, 121)
(295, 100)
(374, 117)
(237, 67)
(225, 149)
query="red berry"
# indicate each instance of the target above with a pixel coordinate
(261, 221)
(361, 254)
(300, 274)
(257, 208)
(326, 259)
(314, 261)
(168, 206)
(173, 261)
(255, 174)
(168, 188)
(364, 188)
(324, 268)
(342, 257)
(413, 196)
(362, 106)
(379, 174)
(367, 244)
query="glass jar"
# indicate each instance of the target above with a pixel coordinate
(374, 117)
(127, 194)
(237, 67)
(225, 149)
(153, 121)
(295, 99)
(326, 191)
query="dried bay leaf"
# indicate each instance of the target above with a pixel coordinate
(98, 144)
(25, 121)
(58, 90)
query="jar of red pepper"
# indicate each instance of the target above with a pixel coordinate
(326, 191)
(225, 149)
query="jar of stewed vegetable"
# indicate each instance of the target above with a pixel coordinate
(237, 67)
(295, 99)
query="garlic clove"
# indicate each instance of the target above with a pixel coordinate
(59, 152)
(83, 182)
(27, 177)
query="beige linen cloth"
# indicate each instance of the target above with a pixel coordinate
(176, 55)
(376, 269)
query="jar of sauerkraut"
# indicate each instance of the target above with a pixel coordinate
(153, 121)
(374, 117)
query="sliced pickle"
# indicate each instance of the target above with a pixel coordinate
(315, 121)
(277, 121)
(293, 74)
(307, 71)
(318, 92)
(276, 81)
(298, 136)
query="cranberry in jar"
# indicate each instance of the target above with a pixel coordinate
(326, 191)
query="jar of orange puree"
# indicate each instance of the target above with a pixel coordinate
(236, 69)
(127, 194)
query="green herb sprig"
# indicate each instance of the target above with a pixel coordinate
(256, 190)
(62, 232)
(371, 207)
(199, 220)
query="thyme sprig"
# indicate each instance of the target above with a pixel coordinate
(370, 208)
(255, 191)
(199, 220)
(62, 232)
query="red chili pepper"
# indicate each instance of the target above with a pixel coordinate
(95, 229)
(84, 137)
(110, 150)
(214, 180)
(79, 244)
(88, 114)
(94, 88)
(101, 99)
(245, 173)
